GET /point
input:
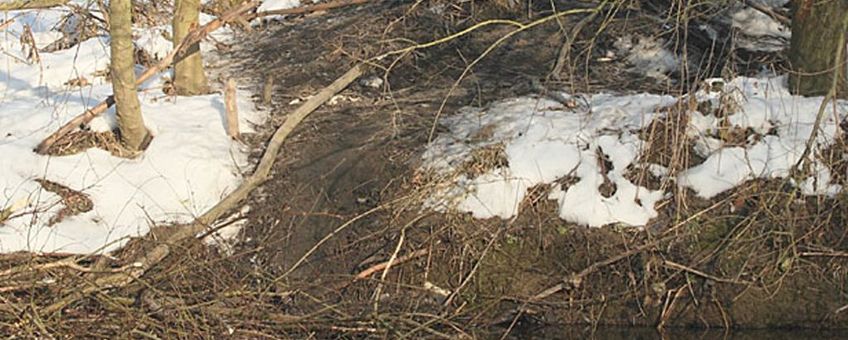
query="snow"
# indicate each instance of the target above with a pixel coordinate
(759, 32)
(765, 105)
(647, 56)
(546, 142)
(189, 166)
(273, 5)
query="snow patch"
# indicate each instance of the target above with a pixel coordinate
(189, 166)
(647, 56)
(577, 149)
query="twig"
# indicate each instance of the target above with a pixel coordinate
(823, 254)
(268, 90)
(678, 266)
(260, 175)
(6, 23)
(565, 50)
(176, 55)
(380, 266)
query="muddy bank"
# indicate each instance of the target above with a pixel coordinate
(346, 197)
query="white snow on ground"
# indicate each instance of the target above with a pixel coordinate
(273, 5)
(759, 32)
(647, 56)
(785, 122)
(152, 39)
(544, 141)
(190, 164)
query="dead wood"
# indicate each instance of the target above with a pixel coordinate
(268, 90)
(380, 266)
(232, 109)
(177, 54)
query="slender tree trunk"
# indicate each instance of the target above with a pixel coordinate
(130, 122)
(818, 30)
(189, 77)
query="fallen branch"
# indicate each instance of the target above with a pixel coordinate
(261, 174)
(311, 8)
(14, 5)
(380, 266)
(176, 55)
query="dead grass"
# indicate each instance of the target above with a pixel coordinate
(79, 141)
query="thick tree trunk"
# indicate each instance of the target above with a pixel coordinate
(818, 31)
(189, 77)
(130, 122)
(11, 5)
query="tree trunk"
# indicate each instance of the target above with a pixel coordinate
(130, 122)
(818, 33)
(189, 78)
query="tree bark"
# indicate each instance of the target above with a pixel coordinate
(130, 121)
(189, 77)
(11, 5)
(818, 31)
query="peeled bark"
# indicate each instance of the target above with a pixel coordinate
(818, 31)
(189, 77)
(130, 121)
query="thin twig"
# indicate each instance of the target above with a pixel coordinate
(380, 266)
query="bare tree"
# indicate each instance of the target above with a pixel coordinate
(127, 105)
(189, 77)
(818, 40)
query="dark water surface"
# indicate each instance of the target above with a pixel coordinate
(645, 333)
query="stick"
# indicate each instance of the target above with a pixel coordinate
(268, 90)
(380, 266)
(232, 109)
(176, 55)
(260, 175)
(311, 8)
